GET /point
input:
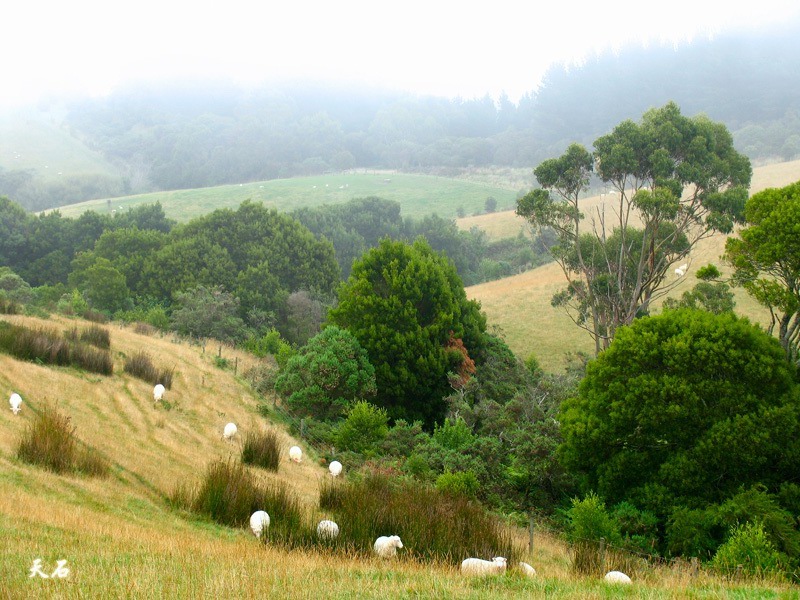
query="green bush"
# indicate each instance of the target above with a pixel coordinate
(365, 427)
(749, 546)
(588, 522)
(458, 484)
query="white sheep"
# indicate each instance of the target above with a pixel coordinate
(158, 392)
(295, 454)
(259, 522)
(16, 403)
(617, 577)
(478, 566)
(386, 546)
(681, 271)
(527, 570)
(229, 431)
(335, 468)
(327, 529)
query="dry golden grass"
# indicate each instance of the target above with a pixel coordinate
(121, 540)
(520, 305)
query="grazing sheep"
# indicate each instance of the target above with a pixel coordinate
(327, 529)
(681, 271)
(478, 566)
(158, 392)
(617, 577)
(527, 570)
(386, 546)
(229, 431)
(295, 454)
(259, 522)
(16, 403)
(335, 468)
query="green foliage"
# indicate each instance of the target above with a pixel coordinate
(433, 526)
(766, 260)
(453, 434)
(262, 449)
(588, 522)
(462, 483)
(364, 428)
(327, 375)
(50, 442)
(715, 297)
(269, 343)
(14, 288)
(105, 287)
(208, 312)
(403, 438)
(404, 303)
(749, 547)
(677, 400)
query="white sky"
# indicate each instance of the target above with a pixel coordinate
(79, 47)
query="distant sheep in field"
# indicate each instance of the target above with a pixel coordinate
(335, 468)
(478, 566)
(295, 454)
(386, 546)
(527, 570)
(617, 577)
(229, 431)
(681, 271)
(259, 522)
(158, 392)
(327, 529)
(16, 403)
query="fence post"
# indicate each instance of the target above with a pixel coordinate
(602, 555)
(302, 428)
(738, 571)
(694, 566)
(236, 366)
(220, 351)
(530, 534)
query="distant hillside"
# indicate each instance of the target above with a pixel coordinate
(418, 195)
(520, 305)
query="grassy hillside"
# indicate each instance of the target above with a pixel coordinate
(520, 305)
(120, 539)
(418, 195)
(33, 140)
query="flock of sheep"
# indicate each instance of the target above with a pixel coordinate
(384, 546)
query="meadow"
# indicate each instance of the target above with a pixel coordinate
(418, 195)
(121, 538)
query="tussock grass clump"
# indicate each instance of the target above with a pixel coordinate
(50, 442)
(433, 526)
(229, 494)
(9, 307)
(48, 347)
(262, 449)
(94, 335)
(141, 366)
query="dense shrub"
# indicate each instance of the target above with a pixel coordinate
(93, 335)
(749, 547)
(463, 483)
(365, 427)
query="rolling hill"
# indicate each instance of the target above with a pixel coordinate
(120, 538)
(520, 305)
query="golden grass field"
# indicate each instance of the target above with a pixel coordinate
(520, 305)
(121, 540)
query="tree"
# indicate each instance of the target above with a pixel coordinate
(681, 410)
(766, 260)
(676, 180)
(327, 375)
(208, 312)
(105, 287)
(404, 303)
(365, 427)
(708, 294)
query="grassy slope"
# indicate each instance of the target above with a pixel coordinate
(31, 140)
(520, 305)
(419, 195)
(120, 540)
